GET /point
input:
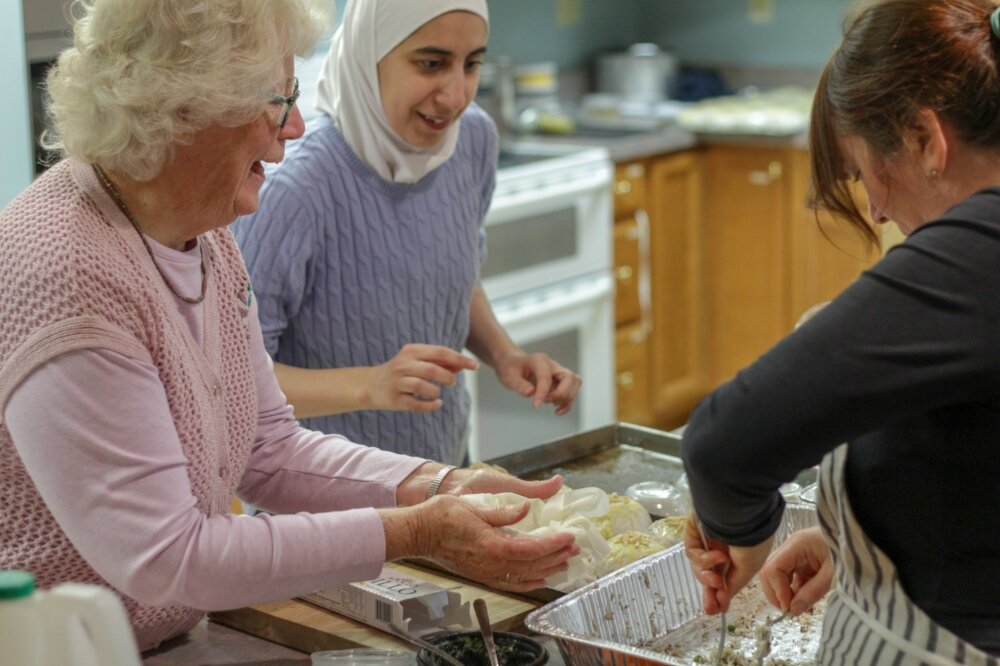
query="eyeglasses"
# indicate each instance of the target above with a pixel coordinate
(287, 103)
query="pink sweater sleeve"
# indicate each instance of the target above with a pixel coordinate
(294, 469)
(96, 436)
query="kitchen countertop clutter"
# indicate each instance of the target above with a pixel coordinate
(636, 627)
(630, 131)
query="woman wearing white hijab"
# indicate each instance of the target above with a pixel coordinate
(365, 252)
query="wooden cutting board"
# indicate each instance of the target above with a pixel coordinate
(303, 626)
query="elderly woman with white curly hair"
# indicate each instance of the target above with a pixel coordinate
(136, 396)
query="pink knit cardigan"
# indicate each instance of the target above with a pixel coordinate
(73, 275)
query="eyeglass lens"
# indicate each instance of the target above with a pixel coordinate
(288, 103)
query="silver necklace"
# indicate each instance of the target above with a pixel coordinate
(117, 198)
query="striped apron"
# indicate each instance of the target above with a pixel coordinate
(870, 620)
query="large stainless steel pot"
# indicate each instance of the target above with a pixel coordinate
(644, 73)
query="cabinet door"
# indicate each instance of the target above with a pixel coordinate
(826, 254)
(629, 189)
(678, 349)
(632, 375)
(628, 271)
(746, 254)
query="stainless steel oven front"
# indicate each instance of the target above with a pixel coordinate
(548, 274)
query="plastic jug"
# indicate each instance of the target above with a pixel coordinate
(69, 625)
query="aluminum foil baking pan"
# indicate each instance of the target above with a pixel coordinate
(630, 616)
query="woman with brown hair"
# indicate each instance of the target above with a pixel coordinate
(903, 366)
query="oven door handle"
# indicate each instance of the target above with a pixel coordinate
(555, 301)
(546, 196)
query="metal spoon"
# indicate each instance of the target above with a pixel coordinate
(484, 625)
(722, 616)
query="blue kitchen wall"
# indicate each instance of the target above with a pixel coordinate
(527, 30)
(803, 34)
(16, 161)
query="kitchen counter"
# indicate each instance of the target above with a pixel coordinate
(210, 643)
(626, 146)
(287, 631)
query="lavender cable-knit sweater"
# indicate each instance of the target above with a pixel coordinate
(348, 268)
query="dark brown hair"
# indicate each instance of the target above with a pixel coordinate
(898, 57)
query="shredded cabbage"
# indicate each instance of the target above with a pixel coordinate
(627, 548)
(624, 514)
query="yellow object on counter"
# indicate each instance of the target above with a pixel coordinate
(555, 123)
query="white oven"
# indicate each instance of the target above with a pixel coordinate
(548, 275)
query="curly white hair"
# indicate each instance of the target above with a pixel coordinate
(144, 75)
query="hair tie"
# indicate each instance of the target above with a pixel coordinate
(995, 22)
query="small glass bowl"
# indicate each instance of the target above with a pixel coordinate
(362, 657)
(659, 498)
(790, 491)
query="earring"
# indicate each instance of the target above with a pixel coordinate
(934, 173)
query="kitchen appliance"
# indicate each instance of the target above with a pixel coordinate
(548, 276)
(643, 73)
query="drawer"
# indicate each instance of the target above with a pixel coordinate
(632, 374)
(629, 188)
(628, 259)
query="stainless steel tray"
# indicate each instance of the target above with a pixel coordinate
(612, 458)
(616, 620)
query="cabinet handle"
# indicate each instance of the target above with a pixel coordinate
(623, 187)
(764, 177)
(626, 380)
(623, 273)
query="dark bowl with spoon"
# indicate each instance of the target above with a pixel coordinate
(469, 648)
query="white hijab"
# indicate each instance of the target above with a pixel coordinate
(349, 86)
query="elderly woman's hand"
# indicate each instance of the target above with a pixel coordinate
(465, 539)
(473, 481)
(539, 377)
(461, 481)
(799, 573)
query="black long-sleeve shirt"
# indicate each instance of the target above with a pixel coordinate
(905, 366)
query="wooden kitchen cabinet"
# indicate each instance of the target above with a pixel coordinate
(825, 255)
(678, 351)
(632, 375)
(730, 256)
(633, 317)
(628, 250)
(767, 258)
(746, 227)
(660, 297)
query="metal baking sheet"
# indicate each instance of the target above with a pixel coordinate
(611, 458)
(650, 613)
